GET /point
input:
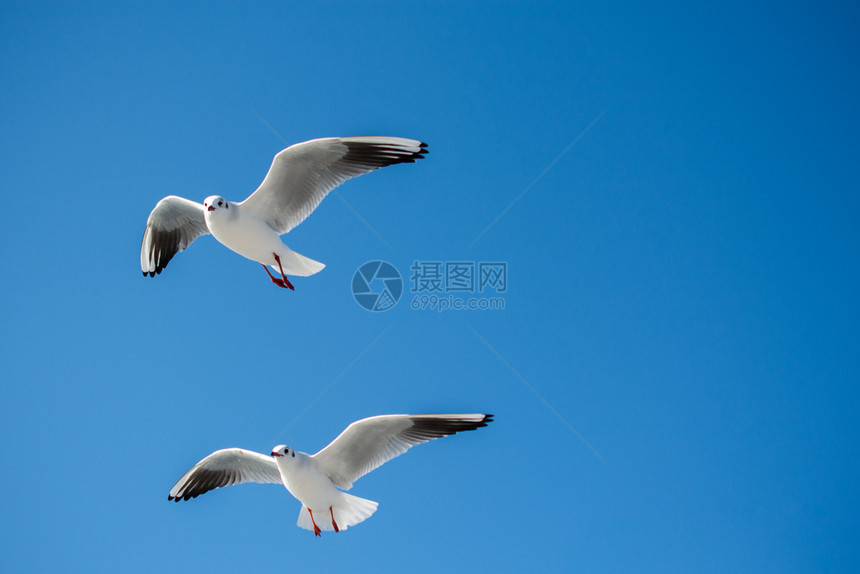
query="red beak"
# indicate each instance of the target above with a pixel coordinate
(211, 208)
(276, 454)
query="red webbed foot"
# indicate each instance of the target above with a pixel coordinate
(284, 282)
(333, 523)
(317, 530)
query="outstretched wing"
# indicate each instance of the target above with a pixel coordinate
(172, 226)
(371, 442)
(303, 174)
(224, 468)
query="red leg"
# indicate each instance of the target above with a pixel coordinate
(286, 281)
(276, 281)
(316, 528)
(333, 523)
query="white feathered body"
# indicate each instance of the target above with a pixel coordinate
(304, 480)
(252, 237)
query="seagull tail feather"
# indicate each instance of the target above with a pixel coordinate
(352, 510)
(349, 511)
(297, 264)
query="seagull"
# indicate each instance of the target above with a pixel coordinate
(315, 480)
(300, 177)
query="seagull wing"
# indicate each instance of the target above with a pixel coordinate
(303, 174)
(224, 468)
(172, 226)
(371, 442)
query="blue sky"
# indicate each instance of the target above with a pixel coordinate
(674, 373)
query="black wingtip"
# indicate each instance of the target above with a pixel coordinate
(432, 427)
(483, 422)
(376, 155)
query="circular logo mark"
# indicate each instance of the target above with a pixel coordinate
(377, 286)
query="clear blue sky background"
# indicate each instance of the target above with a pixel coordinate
(683, 284)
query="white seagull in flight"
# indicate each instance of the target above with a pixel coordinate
(300, 177)
(315, 479)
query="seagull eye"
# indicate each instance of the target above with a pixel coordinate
(220, 204)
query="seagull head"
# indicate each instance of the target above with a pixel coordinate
(282, 450)
(215, 203)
